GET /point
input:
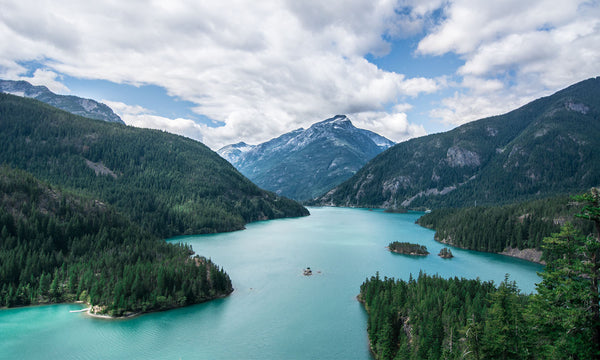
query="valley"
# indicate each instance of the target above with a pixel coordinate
(85, 204)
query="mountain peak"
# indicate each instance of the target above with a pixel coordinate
(336, 120)
(75, 105)
(302, 164)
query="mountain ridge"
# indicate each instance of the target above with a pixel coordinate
(304, 163)
(542, 148)
(75, 105)
(169, 184)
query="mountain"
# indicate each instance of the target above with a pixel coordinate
(168, 184)
(234, 153)
(303, 164)
(75, 105)
(546, 147)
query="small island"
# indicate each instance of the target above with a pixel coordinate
(408, 248)
(445, 253)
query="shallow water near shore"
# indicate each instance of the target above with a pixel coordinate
(275, 312)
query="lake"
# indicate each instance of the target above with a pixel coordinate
(275, 312)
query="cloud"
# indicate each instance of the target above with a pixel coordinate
(138, 116)
(47, 78)
(395, 126)
(273, 67)
(277, 65)
(514, 51)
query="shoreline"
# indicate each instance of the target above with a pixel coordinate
(87, 311)
(531, 255)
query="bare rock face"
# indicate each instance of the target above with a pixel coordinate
(525, 254)
(457, 157)
(578, 107)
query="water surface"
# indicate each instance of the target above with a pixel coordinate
(275, 312)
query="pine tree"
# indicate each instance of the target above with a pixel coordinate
(591, 211)
(504, 329)
(560, 311)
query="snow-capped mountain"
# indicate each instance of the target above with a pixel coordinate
(303, 164)
(234, 153)
(73, 104)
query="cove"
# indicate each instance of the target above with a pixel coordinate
(275, 312)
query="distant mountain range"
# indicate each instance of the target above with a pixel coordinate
(75, 105)
(303, 164)
(549, 146)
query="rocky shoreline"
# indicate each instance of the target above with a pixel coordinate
(532, 255)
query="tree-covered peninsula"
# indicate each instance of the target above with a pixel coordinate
(436, 318)
(57, 246)
(508, 228)
(408, 248)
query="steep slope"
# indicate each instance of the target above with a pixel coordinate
(543, 148)
(59, 246)
(168, 184)
(75, 105)
(303, 164)
(234, 153)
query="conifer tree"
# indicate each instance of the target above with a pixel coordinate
(559, 312)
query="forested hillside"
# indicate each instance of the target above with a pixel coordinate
(544, 148)
(521, 225)
(435, 318)
(57, 246)
(168, 184)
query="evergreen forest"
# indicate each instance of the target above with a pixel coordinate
(85, 206)
(435, 318)
(521, 225)
(408, 248)
(56, 246)
(169, 184)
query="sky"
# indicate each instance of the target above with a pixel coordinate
(227, 71)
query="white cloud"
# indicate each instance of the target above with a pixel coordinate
(263, 69)
(514, 51)
(266, 67)
(47, 78)
(395, 126)
(138, 116)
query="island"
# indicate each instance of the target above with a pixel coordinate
(408, 248)
(445, 253)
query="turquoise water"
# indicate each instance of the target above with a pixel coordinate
(275, 312)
